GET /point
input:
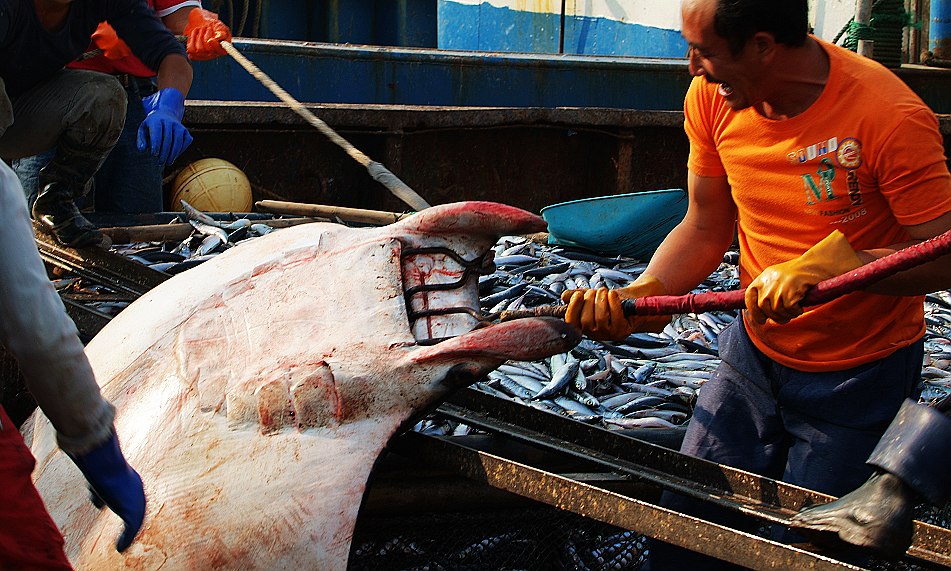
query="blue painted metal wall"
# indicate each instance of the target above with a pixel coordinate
(489, 28)
(329, 73)
(408, 23)
(333, 73)
(445, 24)
(282, 19)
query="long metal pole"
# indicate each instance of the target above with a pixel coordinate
(824, 291)
(863, 14)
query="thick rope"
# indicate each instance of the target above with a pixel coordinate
(376, 170)
(859, 31)
(884, 28)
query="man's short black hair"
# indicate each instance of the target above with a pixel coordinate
(739, 20)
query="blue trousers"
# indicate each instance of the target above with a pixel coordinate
(129, 181)
(814, 430)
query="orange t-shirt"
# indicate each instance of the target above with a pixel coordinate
(866, 158)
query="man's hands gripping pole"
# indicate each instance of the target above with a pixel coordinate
(777, 292)
(600, 315)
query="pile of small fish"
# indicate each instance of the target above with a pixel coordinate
(645, 381)
(210, 238)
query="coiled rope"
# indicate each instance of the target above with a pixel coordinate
(884, 28)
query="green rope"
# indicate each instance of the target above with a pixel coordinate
(884, 28)
(859, 31)
(876, 9)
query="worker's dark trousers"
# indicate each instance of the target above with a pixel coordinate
(129, 181)
(79, 112)
(814, 430)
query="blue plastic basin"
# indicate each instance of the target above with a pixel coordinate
(632, 224)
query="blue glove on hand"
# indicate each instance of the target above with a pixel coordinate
(162, 132)
(115, 484)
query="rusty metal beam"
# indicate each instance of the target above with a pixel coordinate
(733, 489)
(100, 266)
(615, 509)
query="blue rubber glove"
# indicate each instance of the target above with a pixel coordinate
(115, 484)
(162, 132)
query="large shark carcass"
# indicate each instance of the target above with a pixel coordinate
(255, 392)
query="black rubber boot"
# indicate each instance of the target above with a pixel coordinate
(56, 212)
(64, 179)
(913, 462)
(878, 515)
(917, 448)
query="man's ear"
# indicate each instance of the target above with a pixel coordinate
(764, 45)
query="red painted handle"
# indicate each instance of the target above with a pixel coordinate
(824, 291)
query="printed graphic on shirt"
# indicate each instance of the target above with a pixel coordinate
(812, 152)
(849, 153)
(823, 195)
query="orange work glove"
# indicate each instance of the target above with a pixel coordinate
(205, 33)
(112, 47)
(598, 312)
(775, 294)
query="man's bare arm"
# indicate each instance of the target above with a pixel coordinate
(694, 249)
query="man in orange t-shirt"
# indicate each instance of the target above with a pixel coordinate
(821, 161)
(130, 180)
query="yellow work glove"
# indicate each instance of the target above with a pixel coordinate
(775, 294)
(599, 315)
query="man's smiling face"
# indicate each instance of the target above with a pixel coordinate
(710, 56)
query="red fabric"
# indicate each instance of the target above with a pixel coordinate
(29, 538)
(130, 64)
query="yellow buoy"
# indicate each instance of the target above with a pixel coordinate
(212, 185)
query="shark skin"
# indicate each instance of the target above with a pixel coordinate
(255, 392)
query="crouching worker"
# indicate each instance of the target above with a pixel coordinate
(912, 462)
(130, 179)
(80, 113)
